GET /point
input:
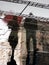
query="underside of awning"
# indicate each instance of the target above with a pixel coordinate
(16, 8)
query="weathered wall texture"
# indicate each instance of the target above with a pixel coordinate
(42, 44)
(21, 50)
(42, 37)
(5, 53)
(20, 53)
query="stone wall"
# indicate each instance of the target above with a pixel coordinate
(5, 53)
(42, 37)
(20, 52)
(42, 44)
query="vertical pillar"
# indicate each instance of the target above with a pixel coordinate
(21, 50)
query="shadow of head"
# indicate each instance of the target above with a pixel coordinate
(12, 62)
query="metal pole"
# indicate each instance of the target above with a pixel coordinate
(24, 8)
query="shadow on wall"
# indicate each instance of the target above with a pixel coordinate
(12, 62)
(13, 42)
(30, 25)
(13, 39)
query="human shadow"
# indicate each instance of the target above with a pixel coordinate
(13, 39)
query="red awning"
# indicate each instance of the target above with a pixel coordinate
(8, 18)
(19, 19)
